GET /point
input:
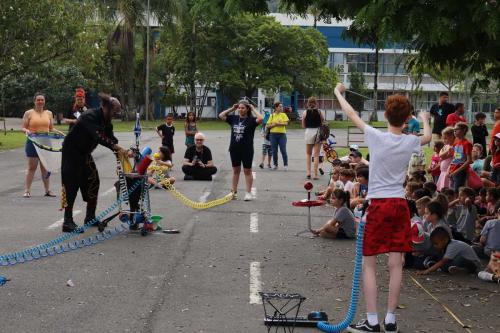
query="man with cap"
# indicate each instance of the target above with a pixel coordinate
(78, 108)
(78, 170)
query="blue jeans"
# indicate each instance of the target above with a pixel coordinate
(279, 139)
(459, 180)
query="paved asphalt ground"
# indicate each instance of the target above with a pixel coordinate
(203, 279)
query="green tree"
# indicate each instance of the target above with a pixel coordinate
(128, 16)
(36, 32)
(357, 89)
(464, 33)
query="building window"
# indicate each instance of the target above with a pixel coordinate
(361, 62)
(392, 63)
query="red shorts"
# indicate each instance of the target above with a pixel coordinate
(387, 227)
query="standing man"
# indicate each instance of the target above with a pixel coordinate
(78, 169)
(440, 112)
(78, 108)
(457, 116)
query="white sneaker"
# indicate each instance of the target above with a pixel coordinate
(248, 197)
(235, 195)
(285, 168)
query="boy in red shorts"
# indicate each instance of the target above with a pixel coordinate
(387, 227)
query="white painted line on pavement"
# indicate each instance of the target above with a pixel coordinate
(58, 223)
(205, 195)
(254, 174)
(22, 171)
(108, 191)
(254, 223)
(254, 192)
(255, 284)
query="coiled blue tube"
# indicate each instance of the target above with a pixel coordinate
(358, 262)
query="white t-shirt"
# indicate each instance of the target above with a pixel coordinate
(348, 186)
(389, 157)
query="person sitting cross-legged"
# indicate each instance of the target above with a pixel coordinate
(198, 164)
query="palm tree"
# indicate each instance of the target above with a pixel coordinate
(129, 16)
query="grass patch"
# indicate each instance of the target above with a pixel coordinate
(13, 139)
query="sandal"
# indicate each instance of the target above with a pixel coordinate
(308, 177)
(27, 194)
(49, 194)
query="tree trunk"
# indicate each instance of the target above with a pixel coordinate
(373, 116)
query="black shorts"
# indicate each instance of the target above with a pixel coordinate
(341, 234)
(240, 156)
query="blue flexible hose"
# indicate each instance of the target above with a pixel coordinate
(358, 263)
(54, 246)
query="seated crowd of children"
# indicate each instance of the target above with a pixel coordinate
(455, 211)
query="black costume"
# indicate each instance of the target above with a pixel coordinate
(78, 169)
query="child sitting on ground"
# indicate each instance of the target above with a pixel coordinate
(434, 217)
(420, 205)
(342, 226)
(492, 199)
(481, 203)
(464, 215)
(458, 256)
(360, 187)
(492, 272)
(434, 167)
(432, 188)
(490, 238)
(162, 159)
(334, 184)
(346, 177)
(410, 188)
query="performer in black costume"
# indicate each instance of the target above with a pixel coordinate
(78, 169)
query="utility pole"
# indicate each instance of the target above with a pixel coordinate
(147, 67)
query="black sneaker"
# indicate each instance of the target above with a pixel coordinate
(70, 226)
(261, 165)
(321, 171)
(391, 327)
(363, 326)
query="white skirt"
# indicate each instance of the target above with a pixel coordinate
(310, 135)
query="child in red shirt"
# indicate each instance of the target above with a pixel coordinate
(495, 160)
(462, 157)
(457, 116)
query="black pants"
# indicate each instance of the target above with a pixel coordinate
(199, 173)
(79, 173)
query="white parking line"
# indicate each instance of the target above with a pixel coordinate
(254, 192)
(205, 195)
(108, 191)
(58, 223)
(255, 284)
(254, 223)
(254, 174)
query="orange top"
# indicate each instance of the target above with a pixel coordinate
(39, 122)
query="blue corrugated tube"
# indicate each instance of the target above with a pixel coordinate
(358, 263)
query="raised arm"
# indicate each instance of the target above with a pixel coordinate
(427, 136)
(256, 114)
(347, 108)
(223, 115)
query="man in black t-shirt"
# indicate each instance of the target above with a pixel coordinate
(440, 112)
(78, 108)
(198, 164)
(166, 132)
